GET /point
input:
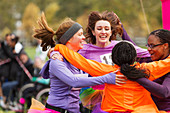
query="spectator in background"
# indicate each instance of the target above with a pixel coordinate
(28, 63)
(6, 55)
(14, 65)
(15, 44)
(17, 76)
(2, 104)
(23, 78)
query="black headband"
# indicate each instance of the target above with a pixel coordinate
(69, 33)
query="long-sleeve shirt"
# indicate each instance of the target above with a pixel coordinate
(125, 36)
(62, 80)
(128, 97)
(160, 90)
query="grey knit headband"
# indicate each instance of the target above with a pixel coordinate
(69, 33)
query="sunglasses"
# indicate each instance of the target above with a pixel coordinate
(152, 46)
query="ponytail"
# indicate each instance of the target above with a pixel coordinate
(44, 33)
(133, 73)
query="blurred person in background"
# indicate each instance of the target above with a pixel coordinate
(23, 77)
(17, 74)
(6, 56)
(15, 44)
(28, 63)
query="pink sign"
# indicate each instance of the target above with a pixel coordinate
(166, 14)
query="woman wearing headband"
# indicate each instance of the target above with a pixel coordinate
(64, 91)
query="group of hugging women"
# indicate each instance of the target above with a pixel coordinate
(123, 78)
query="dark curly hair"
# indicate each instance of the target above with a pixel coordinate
(124, 55)
(163, 35)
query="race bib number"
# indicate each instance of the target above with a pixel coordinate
(106, 58)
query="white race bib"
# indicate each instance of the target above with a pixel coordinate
(106, 58)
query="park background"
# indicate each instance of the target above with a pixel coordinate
(139, 17)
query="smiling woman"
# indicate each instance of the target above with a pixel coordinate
(102, 32)
(159, 48)
(158, 44)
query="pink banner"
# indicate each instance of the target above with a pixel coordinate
(166, 14)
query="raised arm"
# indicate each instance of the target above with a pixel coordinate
(125, 36)
(142, 54)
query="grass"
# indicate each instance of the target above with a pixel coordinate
(30, 51)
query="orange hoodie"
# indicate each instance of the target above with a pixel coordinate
(128, 97)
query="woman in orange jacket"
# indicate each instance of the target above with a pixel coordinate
(130, 97)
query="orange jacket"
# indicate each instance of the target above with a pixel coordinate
(128, 97)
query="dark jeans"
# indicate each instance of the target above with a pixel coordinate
(7, 87)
